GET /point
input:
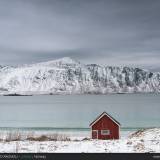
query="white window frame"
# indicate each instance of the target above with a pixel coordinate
(105, 130)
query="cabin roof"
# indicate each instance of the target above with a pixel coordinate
(100, 116)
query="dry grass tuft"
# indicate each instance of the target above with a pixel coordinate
(86, 139)
(30, 136)
(12, 136)
(137, 133)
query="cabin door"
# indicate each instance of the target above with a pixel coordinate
(95, 134)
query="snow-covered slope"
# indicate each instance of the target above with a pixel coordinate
(145, 141)
(67, 76)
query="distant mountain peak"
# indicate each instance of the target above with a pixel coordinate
(58, 62)
(68, 76)
(66, 60)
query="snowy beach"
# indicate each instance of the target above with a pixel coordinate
(147, 140)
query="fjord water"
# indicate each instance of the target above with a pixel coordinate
(77, 111)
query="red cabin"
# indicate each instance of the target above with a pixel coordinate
(105, 127)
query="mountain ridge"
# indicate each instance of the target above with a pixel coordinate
(68, 76)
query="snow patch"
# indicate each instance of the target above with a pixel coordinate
(67, 76)
(140, 142)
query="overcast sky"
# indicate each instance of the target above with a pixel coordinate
(112, 32)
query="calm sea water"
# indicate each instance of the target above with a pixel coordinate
(69, 132)
(78, 111)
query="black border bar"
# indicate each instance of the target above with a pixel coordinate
(80, 156)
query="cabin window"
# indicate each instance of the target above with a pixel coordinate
(105, 132)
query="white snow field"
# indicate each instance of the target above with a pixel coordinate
(147, 140)
(67, 76)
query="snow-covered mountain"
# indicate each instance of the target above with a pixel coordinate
(67, 76)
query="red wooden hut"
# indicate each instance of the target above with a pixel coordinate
(105, 127)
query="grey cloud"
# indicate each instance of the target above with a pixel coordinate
(114, 32)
